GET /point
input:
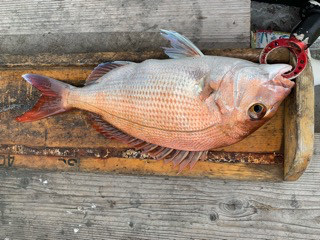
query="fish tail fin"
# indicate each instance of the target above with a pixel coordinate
(53, 99)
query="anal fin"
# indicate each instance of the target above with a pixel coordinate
(178, 157)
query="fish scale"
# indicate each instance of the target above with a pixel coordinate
(149, 102)
(149, 99)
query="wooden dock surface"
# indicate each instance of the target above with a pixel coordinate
(78, 205)
(66, 26)
(66, 205)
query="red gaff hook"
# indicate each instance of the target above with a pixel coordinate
(297, 47)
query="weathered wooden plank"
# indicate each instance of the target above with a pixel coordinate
(72, 130)
(66, 26)
(239, 168)
(71, 133)
(299, 126)
(8, 151)
(93, 59)
(66, 205)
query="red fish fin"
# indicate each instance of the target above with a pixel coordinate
(52, 100)
(206, 92)
(200, 156)
(186, 161)
(177, 157)
(102, 69)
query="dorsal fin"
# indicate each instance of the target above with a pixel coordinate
(102, 69)
(178, 157)
(181, 46)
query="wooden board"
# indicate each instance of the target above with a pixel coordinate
(68, 138)
(68, 205)
(299, 126)
(67, 26)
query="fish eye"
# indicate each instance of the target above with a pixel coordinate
(257, 111)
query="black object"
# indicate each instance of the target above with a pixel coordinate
(297, 3)
(308, 30)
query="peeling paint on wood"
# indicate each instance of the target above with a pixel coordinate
(105, 153)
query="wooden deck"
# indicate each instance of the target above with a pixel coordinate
(77, 205)
(66, 26)
(64, 205)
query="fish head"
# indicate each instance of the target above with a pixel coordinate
(253, 95)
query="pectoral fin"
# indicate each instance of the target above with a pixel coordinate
(206, 87)
(206, 92)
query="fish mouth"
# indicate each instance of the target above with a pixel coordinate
(281, 81)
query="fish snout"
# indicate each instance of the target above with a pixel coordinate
(279, 80)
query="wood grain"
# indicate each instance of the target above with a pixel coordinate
(66, 26)
(93, 59)
(205, 169)
(66, 205)
(299, 126)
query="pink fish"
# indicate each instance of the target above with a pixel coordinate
(175, 109)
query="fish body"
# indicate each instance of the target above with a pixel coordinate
(191, 103)
(157, 101)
